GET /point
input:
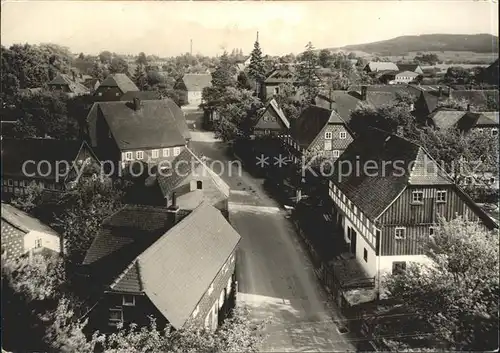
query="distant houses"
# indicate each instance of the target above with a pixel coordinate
(114, 87)
(63, 83)
(276, 78)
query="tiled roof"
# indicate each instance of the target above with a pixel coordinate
(382, 66)
(122, 81)
(64, 80)
(142, 95)
(154, 125)
(187, 163)
(444, 119)
(15, 152)
(407, 73)
(279, 112)
(344, 104)
(280, 76)
(309, 124)
(407, 67)
(488, 118)
(179, 267)
(475, 119)
(196, 82)
(373, 192)
(24, 222)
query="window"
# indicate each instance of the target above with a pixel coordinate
(417, 197)
(328, 135)
(343, 135)
(177, 150)
(211, 289)
(494, 132)
(328, 145)
(365, 254)
(166, 152)
(139, 155)
(115, 316)
(336, 153)
(265, 118)
(267, 131)
(15, 183)
(441, 196)
(276, 90)
(155, 153)
(117, 94)
(128, 300)
(99, 94)
(432, 231)
(196, 311)
(398, 267)
(128, 156)
(9, 182)
(38, 243)
(492, 180)
(400, 233)
(199, 185)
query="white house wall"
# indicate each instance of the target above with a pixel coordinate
(49, 241)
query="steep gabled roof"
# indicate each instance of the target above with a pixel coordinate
(279, 112)
(373, 192)
(310, 123)
(280, 76)
(196, 82)
(65, 80)
(446, 118)
(122, 81)
(24, 222)
(177, 270)
(155, 125)
(408, 67)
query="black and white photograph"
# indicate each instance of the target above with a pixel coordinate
(249, 176)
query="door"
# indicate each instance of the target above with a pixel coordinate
(353, 241)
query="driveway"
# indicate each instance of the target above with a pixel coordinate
(275, 276)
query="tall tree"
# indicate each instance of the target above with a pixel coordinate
(307, 73)
(140, 77)
(98, 72)
(325, 58)
(118, 66)
(142, 59)
(455, 299)
(256, 69)
(105, 57)
(222, 77)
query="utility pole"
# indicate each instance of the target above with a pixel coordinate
(191, 48)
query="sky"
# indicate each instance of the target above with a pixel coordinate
(166, 28)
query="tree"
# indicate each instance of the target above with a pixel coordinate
(325, 58)
(455, 298)
(118, 66)
(307, 73)
(461, 155)
(105, 57)
(243, 82)
(222, 77)
(287, 99)
(429, 59)
(140, 77)
(457, 75)
(256, 70)
(141, 59)
(98, 72)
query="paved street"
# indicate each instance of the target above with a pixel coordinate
(275, 276)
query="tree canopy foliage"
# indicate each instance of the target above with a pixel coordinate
(452, 304)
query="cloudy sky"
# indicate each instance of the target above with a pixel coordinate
(165, 28)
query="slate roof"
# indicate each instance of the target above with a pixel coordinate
(65, 80)
(382, 66)
(444, 119)
(155, 125)
(177, 270)
(24, 222)
(122, 81)
(142, 95)
(309, 124)
(280, 76)
(196, 82)
(16, 151)
(373, 192)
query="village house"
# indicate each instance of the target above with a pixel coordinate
(411, 67)
(403, 77)
(318, 132)
(49, 163)
(376, 66)
(387, 194)
(114, 87)
(144, 131)
(192, 86)
(272, 121)
(63, 83)
(276, 78)
(175, 265)
(23, 234)
(92, 84)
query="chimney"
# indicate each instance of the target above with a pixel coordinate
(468, 107)
(136, 103)
(440, 92)
(363, 92)
(173, 210)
